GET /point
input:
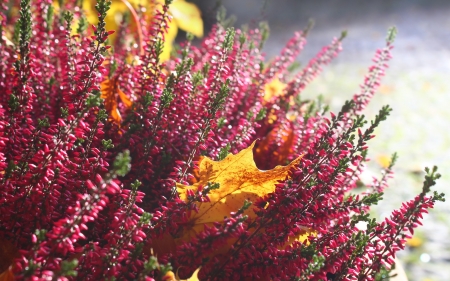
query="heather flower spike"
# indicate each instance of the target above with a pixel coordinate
(120, 162)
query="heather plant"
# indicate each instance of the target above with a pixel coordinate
(116, 164)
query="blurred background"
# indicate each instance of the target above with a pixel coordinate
(417, 87)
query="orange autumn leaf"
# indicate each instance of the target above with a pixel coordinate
(283, 136)
(109, 90)
(7, 253)
(239, 180)
(195, 170)
(7, 275)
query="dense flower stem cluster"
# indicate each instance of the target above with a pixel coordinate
(95, 141)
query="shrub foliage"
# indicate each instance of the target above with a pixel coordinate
(116, 165)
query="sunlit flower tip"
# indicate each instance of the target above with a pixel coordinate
(90, 185)
(390, 222)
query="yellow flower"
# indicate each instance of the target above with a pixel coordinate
(414, 241)
(272, 89)
(383, 160)
(185, 16)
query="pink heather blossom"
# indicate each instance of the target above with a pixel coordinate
(86, 197)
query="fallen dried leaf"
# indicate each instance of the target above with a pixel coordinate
(239, 180)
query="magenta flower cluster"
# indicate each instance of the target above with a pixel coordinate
(88, 172)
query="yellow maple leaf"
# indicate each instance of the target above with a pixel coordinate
(185, 16)
(239, 180)
(170, 276)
